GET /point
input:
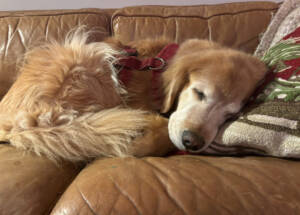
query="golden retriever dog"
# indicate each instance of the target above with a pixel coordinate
(69, 104)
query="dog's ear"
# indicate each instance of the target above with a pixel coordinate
(171, 95)
(174, 81)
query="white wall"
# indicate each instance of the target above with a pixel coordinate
(76, 4)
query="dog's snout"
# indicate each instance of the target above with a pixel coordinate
(192, 141)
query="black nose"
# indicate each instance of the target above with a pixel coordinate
(192, 141)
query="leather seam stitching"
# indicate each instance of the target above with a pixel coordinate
(186, 16)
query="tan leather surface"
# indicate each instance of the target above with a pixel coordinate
(184, 185)
(19, 31)
(30, 185)
(237, 24)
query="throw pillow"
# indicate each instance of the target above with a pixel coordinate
(270, 124)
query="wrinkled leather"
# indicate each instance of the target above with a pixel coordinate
(236, 25)
(30, 185)
(184, 185)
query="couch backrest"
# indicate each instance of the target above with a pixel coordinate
(237, 25)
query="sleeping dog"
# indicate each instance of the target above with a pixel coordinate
(77, 101)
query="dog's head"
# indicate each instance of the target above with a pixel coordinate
(207, 84)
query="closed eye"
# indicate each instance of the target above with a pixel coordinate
(201, 96)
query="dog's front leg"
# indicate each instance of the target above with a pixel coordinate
(155, 141)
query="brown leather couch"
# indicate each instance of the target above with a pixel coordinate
(170, 185)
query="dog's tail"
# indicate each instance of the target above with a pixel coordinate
(106, 133)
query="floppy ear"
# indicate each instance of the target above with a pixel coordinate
(171, 95)
(174, 81)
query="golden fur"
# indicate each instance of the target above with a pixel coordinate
(68, 104)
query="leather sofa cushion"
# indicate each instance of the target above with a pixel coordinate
(20, 31)
(235, 24)
(184, 185)
(30, 184)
